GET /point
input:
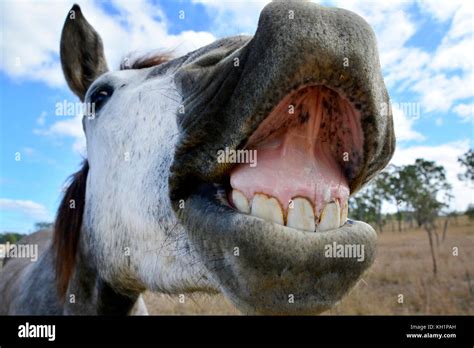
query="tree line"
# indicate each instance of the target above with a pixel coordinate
(420, 192)
(13, 237)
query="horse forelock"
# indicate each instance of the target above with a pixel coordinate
(67, 227)
(145, 61)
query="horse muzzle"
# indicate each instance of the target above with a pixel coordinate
(306, 96)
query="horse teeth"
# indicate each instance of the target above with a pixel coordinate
(240, 202)
(267, 208)
(344, 213)
(330, 217)
(301, 215)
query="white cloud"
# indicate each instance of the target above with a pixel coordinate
(446, 155)
(454, 54)
(403, 125)
(31, 32)
(447, 77)
(440, 10)
(439, 91)
(461, 26)
(70, 127)
(406, 67)
(30, 45)
(465, 111)
(26, 208)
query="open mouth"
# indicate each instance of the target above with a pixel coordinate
(302, 151)
(263, 232)
(267, 230)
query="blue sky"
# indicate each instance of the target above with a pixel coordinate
(425, 50)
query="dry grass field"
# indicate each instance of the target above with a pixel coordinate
(403, 267)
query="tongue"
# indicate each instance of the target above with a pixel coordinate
(296, 163)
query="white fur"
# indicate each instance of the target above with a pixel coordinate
(127, 202)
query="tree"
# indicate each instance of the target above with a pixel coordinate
(10, 237)
(363, 206)
(467, 161)
(470, 211)
(421, 188)
(390, 182)
(367, 204)
(426, 191)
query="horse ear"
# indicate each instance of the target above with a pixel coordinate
(67, 228)
(82, 52)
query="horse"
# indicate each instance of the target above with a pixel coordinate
(155, 207)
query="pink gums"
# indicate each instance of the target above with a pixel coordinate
(294, 154)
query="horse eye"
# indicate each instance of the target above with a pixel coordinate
(100, 96)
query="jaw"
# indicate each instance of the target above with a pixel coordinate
(266, 268)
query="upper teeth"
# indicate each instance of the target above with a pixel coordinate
(330, 217)
(344, 212)
(267, 208)
(240, 201)
(300, 214)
